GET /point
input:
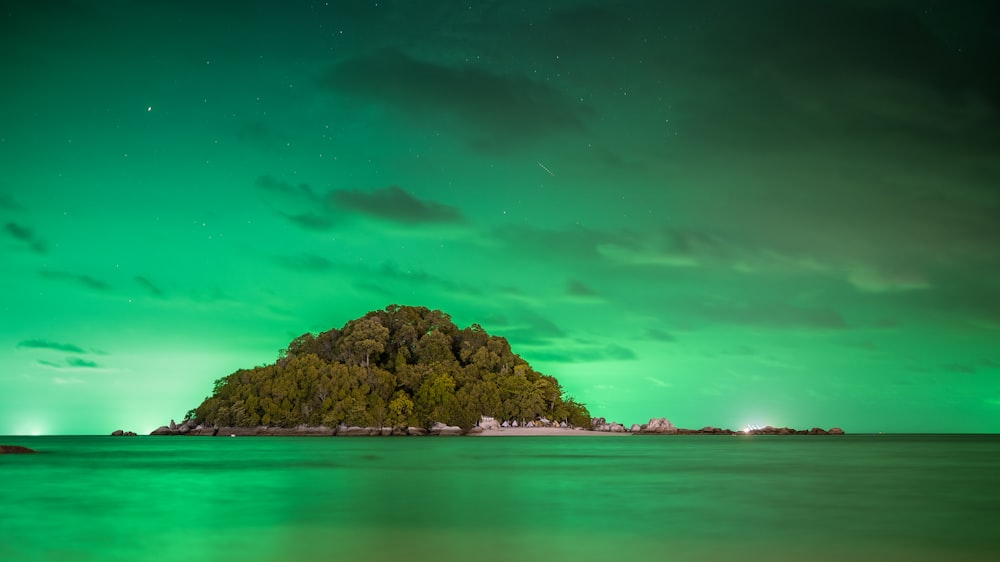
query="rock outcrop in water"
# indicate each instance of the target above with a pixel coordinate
(663, 426)
(15, 450)
(123, 433)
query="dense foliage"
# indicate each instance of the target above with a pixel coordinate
(402, 366)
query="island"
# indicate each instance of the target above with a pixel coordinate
(405, 370)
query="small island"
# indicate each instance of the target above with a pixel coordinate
(405, 370)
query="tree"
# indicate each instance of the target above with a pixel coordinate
(363, 338)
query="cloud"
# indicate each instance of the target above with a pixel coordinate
(82, 363)
(577, 288)
(67, 380)
(658, 382)
(85, 281)
(27, 236)
(659, 335)
(272, 184)
(306, 262)
(583, 352)
(395, 204)
(47, 344)
(490, 110)
(150, 287)
(313, 210)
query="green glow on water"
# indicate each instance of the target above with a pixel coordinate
(675, 498)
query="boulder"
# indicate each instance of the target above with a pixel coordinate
(658, 426)
(15, 450)
(836, 431)
(418, 431)
(441, 429)
(355, 431)
(818, 431)
(636, 428)
(488, 423)
(475, 429)
(162, 430)
(117, 433)
(616, 428)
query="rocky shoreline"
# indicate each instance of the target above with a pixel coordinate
(663, 426)
(487, 425)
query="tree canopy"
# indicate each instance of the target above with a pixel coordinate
(402, 366)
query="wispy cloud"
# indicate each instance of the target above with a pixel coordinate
(48, 344)
(81, 363)
(491, 111)
(310, 209)
(26, 236)
(149, 286)
(85, 281)
(395, 204)
(67, 380)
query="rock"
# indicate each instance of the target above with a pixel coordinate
(487, 423)
(355, 431)
(162, 430)
(117, 433)
(441, 429)
(15, 450)
(418, 431)
(173, 426)
(658, 426)
(636, 428)
(616, 428)
(563, 424)
(475, 429)
(835, 431)
(594, 422)
(818, 431)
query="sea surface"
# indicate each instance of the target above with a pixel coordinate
(479, 499)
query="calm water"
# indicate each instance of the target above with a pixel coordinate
(501, 499)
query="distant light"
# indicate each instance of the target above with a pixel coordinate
(150, 108)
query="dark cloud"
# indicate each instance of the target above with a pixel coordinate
(27, 236)
(85, 281)
(584, 354)
(658, 335)
(309, 221)
(577, 288)
(150, 287)
(272, 184)
(48, 344)
(80, 363)
(491, 110)
(395, 204)
(313, 210)
(307, 262)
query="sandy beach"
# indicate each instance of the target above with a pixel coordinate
(539, 431)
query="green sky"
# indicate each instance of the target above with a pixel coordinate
(725, 212)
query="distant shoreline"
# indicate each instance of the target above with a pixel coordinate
(539, 431)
